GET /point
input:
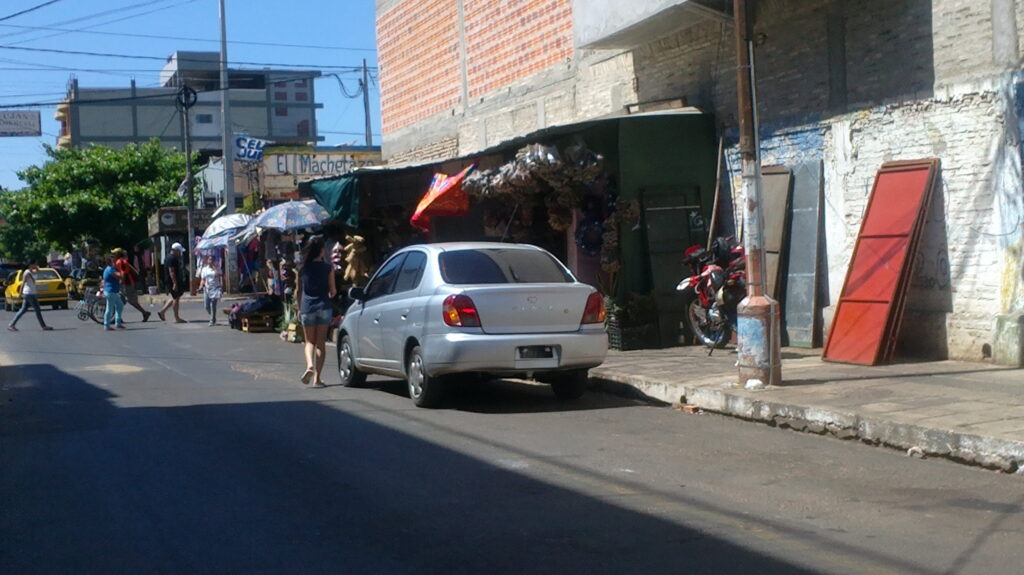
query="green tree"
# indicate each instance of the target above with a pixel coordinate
(18, 241)
(100, 192)
(96, 192)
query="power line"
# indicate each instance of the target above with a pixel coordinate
(157, 37)
(140, 57)
(27, 10)
(171, 92)
(97, 15)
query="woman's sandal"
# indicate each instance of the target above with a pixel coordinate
(307, 376)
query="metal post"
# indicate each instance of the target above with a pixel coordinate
(366, 105)
(759, 360)
(227, 151)
(186, 99)
(225, 114)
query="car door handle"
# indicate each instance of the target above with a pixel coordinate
(405, 314)
(376, 319)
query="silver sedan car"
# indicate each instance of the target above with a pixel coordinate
(437, 310)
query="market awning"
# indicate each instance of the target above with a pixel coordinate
(340, 197)
(444, 198)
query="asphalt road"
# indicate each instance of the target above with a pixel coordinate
(194, 449)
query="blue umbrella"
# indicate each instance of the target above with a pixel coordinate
(292, 216)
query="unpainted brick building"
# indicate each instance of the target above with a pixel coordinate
(850, 83)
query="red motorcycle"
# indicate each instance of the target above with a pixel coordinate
(713, 291)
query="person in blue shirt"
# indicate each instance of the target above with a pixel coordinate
(112, 293)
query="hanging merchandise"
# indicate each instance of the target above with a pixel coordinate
(540, 175)
(357, 260)
(444, 198)
(589, 236)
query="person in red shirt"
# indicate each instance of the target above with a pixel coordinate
(129, 275)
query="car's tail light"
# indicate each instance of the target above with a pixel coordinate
(460, 311)
(594, 312)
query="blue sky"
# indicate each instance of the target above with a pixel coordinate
(318, 34)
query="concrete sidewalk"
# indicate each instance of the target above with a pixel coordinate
(968, 412)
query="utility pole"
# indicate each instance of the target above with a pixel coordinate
(366, 104)
(227, 153)
(186, 99)
(225, 113)
(759, 360)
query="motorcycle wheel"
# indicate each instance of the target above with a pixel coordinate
(713, 335)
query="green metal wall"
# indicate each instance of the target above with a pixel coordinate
(666, 162)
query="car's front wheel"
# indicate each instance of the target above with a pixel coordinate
(347, 370)
(570, 385)
(425, 391)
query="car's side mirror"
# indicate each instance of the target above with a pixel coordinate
(357, 293)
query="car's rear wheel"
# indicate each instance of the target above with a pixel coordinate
(350, 375)
(570, 385)
(425, 391)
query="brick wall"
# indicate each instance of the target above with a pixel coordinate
(443, 149)
(508, 40)
(418, 52)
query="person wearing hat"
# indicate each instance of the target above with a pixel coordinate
(112, 293)
(129, 277)
(176, 281)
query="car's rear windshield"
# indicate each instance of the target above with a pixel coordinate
(46, 275)
(501, 266)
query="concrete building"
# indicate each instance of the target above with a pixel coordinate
(276, 177)
(848, 84)
(277, 105)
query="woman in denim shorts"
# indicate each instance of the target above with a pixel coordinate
(316, 289)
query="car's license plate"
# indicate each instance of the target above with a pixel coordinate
(535, 352)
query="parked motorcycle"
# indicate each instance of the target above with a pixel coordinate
(713, 291)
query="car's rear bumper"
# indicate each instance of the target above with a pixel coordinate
(498, 354)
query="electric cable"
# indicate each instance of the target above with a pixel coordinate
(96, 15)
(158, 37)
(164, 59)
(27, 10)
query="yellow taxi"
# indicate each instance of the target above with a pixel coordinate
(49, 288)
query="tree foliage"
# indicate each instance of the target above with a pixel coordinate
(96, 192)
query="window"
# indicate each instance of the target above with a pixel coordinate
(384, 279)
(280, 84)
(280, 111)
(499, 266)
(302, 129)
(300, 83)
(412, 272)
(204, 118)
(301, 97)
(281, 96)
(46, 275)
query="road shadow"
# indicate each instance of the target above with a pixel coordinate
(280, 487)
(507, 396)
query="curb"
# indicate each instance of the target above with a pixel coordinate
(972, 449)
(989, 452)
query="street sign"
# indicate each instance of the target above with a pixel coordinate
(19, 123)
